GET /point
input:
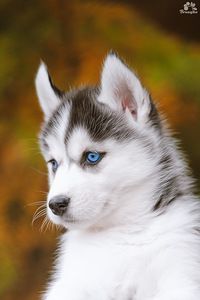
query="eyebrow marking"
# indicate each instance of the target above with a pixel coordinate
(97, 118)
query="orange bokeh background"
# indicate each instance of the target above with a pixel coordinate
(73, 39)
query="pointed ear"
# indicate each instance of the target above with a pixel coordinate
(122, 90)
(48, 94)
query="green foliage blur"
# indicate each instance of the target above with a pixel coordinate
(73, 37)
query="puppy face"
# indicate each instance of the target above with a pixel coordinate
(96, 145)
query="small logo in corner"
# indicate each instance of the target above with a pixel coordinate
(189, 8)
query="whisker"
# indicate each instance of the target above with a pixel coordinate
(42, 192)
(39, 215)
(50, 226)
(40, 172)
(36, 203)
(44, 224)
(40, 211)
(42, 208)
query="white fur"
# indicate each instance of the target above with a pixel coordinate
(48, 99)
(117, 248)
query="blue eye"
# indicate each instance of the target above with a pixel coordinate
(54, 165)
(93, 158)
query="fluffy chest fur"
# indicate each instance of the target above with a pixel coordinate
(122, 264)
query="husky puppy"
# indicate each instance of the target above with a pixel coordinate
(123, 191)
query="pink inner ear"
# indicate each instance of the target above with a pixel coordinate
(129, 103)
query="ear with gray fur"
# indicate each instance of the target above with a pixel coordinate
(48, 93)
(122, 90)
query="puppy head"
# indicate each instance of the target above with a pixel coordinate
(96, 143)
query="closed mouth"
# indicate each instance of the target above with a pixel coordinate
(70, 219)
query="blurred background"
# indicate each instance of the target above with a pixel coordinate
(73, 37)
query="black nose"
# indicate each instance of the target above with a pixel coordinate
(59, 204)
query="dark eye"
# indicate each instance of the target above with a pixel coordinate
(54, 165)
(92, 158)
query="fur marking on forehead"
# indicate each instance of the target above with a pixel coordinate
(79, 142)
(100, 122)
(56, 125)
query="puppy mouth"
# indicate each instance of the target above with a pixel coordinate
(69, 219)
(63, 220)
